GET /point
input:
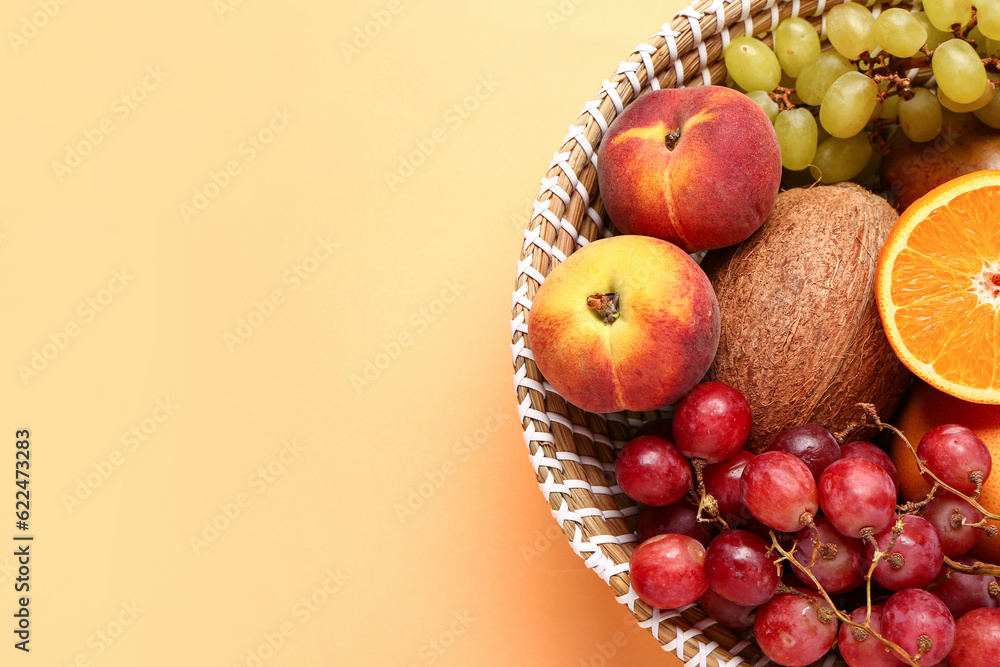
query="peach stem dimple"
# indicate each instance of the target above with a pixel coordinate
(606, 305)
(672, 138)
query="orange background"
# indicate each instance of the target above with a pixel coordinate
(268, 386)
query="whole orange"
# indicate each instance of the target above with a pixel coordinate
(927, 407)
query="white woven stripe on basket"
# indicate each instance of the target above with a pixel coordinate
(576, 140)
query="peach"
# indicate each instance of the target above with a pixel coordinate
(625, 323)
(699, 167)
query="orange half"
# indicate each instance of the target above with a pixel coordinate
(938, 287)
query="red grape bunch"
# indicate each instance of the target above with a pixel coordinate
(804, 544)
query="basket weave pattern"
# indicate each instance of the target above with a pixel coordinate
(573, 451)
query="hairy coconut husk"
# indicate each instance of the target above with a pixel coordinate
(801, 334)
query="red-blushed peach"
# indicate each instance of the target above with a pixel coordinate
(699, 167)
(625, 323)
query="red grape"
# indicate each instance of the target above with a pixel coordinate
(668, 571)
(963, 592)
(726, 612)
(810, 442)
(680, 518)
(873, 453)
(789, 631)
(840, 573)
(738, 568)
(912, 614)
(868, 652)
(977, 639)
(652, 471)
(953, 453)
(940, 512)
(722, 481)
(779, 490)
(712, 422)
(855, 494)
(916, 552)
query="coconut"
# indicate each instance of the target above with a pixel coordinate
(801, 334)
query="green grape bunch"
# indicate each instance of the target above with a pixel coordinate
(835, 107)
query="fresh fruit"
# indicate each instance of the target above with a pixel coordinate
(920, 117)
(899, 33)
(965, 145)
(837, 569)
(722, 482)
(959, 72)
(653, 162)
(839, 159)
(855, 495)
(937, 287)
(779, 491)
(796, 44)
(752, 64)
(963, 592)
(680, 518)
(819, 75)
(914, 559)
(851, 30)
(919, 623)
(977, 639)
(956, 456)
(652, 471)
(927, 407)
(712, 422)
(860, 649)
(810, 442)
(873, 453)
(795, 629)
(797, 136)
(949, 515)
(848, 103)
(726, 612)
(740, 569)
(625, 323)
(668, 571)
(801, 338)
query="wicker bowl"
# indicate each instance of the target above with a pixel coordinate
(573, 451)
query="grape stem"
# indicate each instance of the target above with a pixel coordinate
(843, 616)
(869, 412)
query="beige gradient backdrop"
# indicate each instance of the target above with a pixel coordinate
(269, 388)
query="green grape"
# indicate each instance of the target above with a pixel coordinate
(979, 38)
(992, 46)
(796, 44)
(851, 29)
(959, 71)
(839, 160)
(890, 105)
(945, 13)
(848, 104)
(983, 100)
(890, 108)
(934, 36)
(876, 112)
(990, 114)
(920, 116)
(752, 64)
(764, 101)
(797, 133)
(819, 75)
(988, 17)
(899, 33)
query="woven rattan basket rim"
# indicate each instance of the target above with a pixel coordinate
(573, 451)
